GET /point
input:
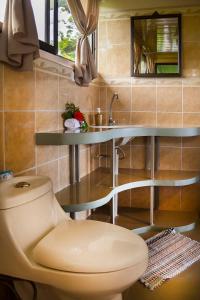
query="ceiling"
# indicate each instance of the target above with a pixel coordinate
(114, 5)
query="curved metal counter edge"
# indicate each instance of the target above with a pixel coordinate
(99, 135)
(143, 183)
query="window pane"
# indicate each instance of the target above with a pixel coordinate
(67, 31)
(167, 68)
(2, 10)
(39, 13)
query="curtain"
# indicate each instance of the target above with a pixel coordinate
(86, 19)
(18, 36)
(137, 57)
(150, 59)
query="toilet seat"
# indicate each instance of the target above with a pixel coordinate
(89, 247)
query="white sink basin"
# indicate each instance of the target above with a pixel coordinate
(116, 126)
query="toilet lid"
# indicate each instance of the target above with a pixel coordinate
(90, 247)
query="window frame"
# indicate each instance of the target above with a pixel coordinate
(53, 49)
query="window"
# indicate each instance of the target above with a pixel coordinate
(57, 31)
(2, 10)
(56, 28)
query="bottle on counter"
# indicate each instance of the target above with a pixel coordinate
(98, 117)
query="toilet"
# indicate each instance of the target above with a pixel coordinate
(82, 259)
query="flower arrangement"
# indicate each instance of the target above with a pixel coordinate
(74, 116)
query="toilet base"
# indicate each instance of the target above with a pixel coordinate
(112, 297)
(51, 293)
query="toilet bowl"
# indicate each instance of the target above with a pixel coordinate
(80, 259)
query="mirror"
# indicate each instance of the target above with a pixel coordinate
(156, 45)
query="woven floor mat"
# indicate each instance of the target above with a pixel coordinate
(170, 253)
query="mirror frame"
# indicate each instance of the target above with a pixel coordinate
(156, 15)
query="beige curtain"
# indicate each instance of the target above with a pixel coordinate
(86, 19)
(18, 36)
(150, 59)
(137, 57)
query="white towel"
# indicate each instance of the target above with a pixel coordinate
(71, 123)
(18, 36)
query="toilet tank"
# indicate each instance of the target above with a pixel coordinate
(28, 211)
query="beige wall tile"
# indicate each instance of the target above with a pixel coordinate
(47, 65)
(64, 174)
(191, 119)
(103, 161)
(31, 172)
(191, 158)
(169, 82)
(46, 153)
(19, 90)
(102, 34)
(191, 28)
(169, 141)
(63, 150)
(118, 32)
(94, 160)
(142, 141)
(46, 91)
(66, 92)
(85, 162)
(170, 158)
(124, 199)
(102, 62)
(169, 99)
(46, 121)
(115, 66)
(169, 198)
(169, 119)
(1, 142)
(85, 97)
(122, 117)
(19, 140)
(51, 170)
(143, 81)
(102, 98)
(143, 118)
(191, 59)
(190, 198)
(1, 86)
(191, 141)
(124, 101)
(143, 99)
(140, 197)
(126, 162)
(138, 157)
(191, 99)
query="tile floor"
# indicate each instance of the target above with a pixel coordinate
(185, 286)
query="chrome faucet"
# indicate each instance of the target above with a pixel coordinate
(110, 120)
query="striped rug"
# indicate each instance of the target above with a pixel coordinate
(170, 253)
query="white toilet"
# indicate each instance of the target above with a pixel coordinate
(83, 259)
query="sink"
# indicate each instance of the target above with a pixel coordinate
(121, 141)
(116, 126)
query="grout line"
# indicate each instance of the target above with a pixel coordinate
(3, 120)
(59, 146)
(156, 104)
(182, 102)
(35, 128)
(26, 170)
(182, 126)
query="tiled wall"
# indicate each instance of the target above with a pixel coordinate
(170, 102)
(32, 102)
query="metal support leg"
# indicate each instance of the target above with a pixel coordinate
(113, 174)
(152, 194)
(74, 164)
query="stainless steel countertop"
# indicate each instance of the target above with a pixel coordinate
(97, 135)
